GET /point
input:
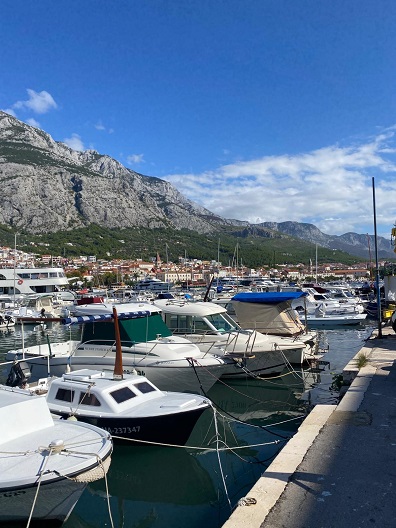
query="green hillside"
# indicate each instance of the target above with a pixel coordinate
(254, 250)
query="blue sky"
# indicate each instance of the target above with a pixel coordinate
(259, 110)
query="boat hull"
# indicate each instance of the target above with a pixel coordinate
(196, 375)
(55, 502)
(260, 364)
(331, 321)
(169, 429)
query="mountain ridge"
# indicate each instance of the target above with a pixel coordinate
(49, 187)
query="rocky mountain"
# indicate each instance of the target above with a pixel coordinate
(47, 186)
(359, 245)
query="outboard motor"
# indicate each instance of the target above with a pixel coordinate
(19, 374)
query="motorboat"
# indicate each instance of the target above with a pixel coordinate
(153, 284)
(172, 363)
(313, 299)
(209, 326)
(33, 307)
(272, 313)
(130, 407)
(320, 318)
(27, 281)
(345, 295)
(45, 463)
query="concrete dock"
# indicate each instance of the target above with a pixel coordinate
(339, 469)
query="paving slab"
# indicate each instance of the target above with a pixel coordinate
(339, 470)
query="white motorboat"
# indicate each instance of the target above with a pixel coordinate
(153, 284)
(313, 299)
(321, 318)
(26, 281)
(130, 407)
(169, 362)
(210, 327)
(45, 463)
(272, 313)
(33, 307)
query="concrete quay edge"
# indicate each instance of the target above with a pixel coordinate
(270, 486)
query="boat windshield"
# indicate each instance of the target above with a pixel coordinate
(122, 395)
(222, 322)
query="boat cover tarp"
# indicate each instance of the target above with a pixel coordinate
(132, 329)
(79, 319)
(274, 317)
(268, 297)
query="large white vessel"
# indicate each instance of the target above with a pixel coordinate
(24, 281)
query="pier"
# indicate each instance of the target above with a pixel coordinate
(339, 469)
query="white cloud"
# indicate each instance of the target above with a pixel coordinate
(135, 158)
(330, 187)
(74, 142)
(32, 122)
(38, 102)
(100, 126)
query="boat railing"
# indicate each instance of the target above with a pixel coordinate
(110, 345)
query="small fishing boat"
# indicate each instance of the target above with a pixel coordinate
(130, 407)
(45, 463)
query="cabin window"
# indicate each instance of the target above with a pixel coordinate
(145, 387)
(180, 323)
(66, 395)
(199, 325)
(121, 395)
(86, 398)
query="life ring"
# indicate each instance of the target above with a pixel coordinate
(20, 281)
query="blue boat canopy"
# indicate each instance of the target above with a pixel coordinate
(79, 319)
(267, 297)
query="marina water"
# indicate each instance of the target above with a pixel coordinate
(199, 485)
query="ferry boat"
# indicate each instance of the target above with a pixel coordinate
(25, 281)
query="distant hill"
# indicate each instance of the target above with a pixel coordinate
(358, 245)
(47, 187)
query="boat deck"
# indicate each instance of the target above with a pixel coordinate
(339, 469)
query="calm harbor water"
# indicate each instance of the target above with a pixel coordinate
(158, 487)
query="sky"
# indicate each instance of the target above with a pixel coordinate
(258, 110)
